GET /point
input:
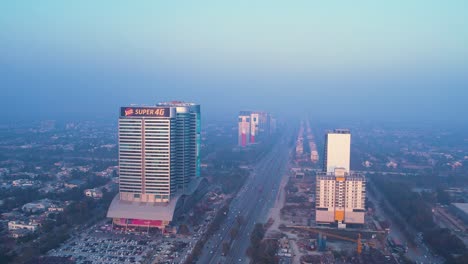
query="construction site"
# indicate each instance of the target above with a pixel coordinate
(300, 239)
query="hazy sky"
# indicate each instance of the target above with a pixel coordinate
(336, 59)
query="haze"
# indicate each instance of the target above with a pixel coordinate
(358, 60)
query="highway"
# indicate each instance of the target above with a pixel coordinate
(252, 203)
(418, 253)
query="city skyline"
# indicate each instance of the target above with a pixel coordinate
(234, 132)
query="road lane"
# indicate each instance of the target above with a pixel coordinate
(252, 202)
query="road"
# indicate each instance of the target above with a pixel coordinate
(419, 252)
(253, 203)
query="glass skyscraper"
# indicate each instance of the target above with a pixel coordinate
(159, 150)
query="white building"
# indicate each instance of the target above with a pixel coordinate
(340, 197)
(37, 207)
(253, 126)
(340, 193)
(244, 128)
(14, 225)
(337, 150)
(93, 193)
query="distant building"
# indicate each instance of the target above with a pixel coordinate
(254, 126)
(75, 183)
(299, 146)
(460, 210)
(56, 208)
(37, 207)
(337, 150)
(23, 183)
(93, 193)
(17, 233)
(14, 225)
(159, 156)
(392, 164)
(244, 128)
(273, 125)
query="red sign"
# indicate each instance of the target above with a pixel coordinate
(140, 222)
(145, 111)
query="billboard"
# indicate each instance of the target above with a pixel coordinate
(138, 222)
(145, 111)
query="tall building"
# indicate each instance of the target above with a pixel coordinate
(186, 115)
(159, 155)
(244, 128)
(265, 121)
(272, 125)
(299, 146)
(340, 193)
(253, 126)
(340, 197)
(337, 150)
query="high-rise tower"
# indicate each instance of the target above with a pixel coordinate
(253, 127)
(159, 155)
(337, 150)
(244, 128)
(340, 193)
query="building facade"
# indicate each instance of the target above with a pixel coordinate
(340, 197)
(14, 225)
(340, 193)
(254, 126)
(159, 155)
(159, 150)
(188, 117)
(337, 150)
(244, 128)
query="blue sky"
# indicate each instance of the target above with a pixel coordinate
(392, 59)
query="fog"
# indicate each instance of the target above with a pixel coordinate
(88, 91)
(395, 61)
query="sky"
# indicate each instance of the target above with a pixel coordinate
(395, 60)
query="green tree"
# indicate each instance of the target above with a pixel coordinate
(226, 248)
(443, 197)
(234, 232)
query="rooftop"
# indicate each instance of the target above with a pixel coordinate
(140, 210)
(348, 175)
(148, 211)
(339, 131)
(462, 206)
(175, 103)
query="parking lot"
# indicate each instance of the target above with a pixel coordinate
(102, 244)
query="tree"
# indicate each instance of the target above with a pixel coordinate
(240, 220)
(226, 248)
(183, 229)
(234, 232)
(443, 197)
